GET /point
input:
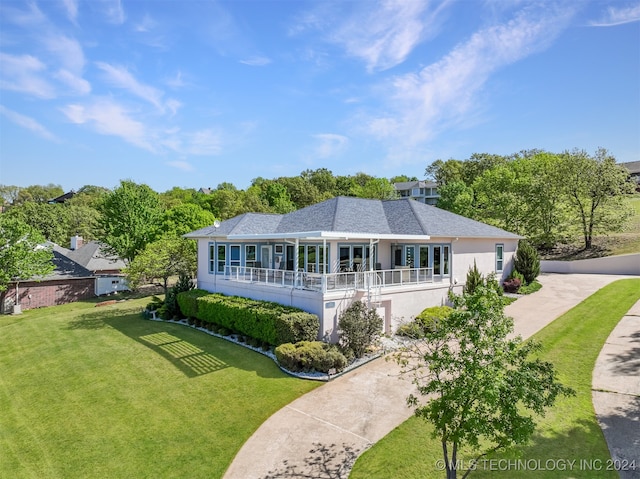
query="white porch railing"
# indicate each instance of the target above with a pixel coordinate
(346, 281)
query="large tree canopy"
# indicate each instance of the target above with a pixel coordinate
(131, 219)
(22, 255)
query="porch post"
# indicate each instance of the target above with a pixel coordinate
(295, 262)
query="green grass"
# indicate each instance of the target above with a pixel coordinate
(569, 431)
(100, 392)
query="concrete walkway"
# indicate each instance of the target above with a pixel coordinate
(616, 393)
(329, 427)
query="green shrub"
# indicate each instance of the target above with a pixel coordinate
(265, 321)
(527, 261)
(426, 321)
(155, 303)
(187, 302)
(310, 356)
(474, 279)
(515, 274)
(530, 288)
(358, 328)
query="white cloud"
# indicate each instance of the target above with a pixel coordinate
(445, 93)
(71, 6)
(381, 34)
(23, 73)
(121, 77)
(114, 11)
(30, 18)
(109, 118)
(28, 123)
(181, 165)
(204, 142)
(619, 16)
(68, 51)
(177, 81)
(329, 144)
(146, 25)
(78, 85)
(256, 61)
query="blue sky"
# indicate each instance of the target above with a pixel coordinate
(195, 93)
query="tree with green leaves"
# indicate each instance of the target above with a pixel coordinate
(359, 327)
(595, 187)
(481, 390)
(22, 255)
(474, 279)
(50, 220)
(184, 218)
(131, 219)
(527, 261)
(457, 198)
(169, 256)
(377, 189)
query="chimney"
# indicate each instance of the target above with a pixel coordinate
(76, 242)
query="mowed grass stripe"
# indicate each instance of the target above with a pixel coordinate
(84, 393)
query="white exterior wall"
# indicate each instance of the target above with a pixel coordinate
(396, 305)
(110, 285)
(622, 264)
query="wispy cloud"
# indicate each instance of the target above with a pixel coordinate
(107, 117)
(618, 16)
(113, 11)
(256, 61)
(329, 145)
(176, 81)
(28, 123)
(120, 77)
(24, 73)
(181, 165)
(67, 50)
(204, 142)
(77, 84)
(71, 7)
(381, 34)
(445, 93)
(146, 25)
(33, 16)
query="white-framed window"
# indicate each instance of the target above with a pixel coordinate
(499, 257)
(279, 249)
(221, 258)
(250, 255)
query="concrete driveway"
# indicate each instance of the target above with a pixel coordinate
(331, 425)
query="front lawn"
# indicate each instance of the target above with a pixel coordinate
(568, 432)
(99, 392)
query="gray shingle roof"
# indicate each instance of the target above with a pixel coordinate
(356, 215)
(93, 257)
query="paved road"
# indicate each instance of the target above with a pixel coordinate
(358, 409)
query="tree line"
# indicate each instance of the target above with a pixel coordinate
(546, 197)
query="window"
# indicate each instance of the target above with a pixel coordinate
(445, 258)
(279, 249)
(409, 256)
(415, 192)
(437, 258)
(222, 258)
(234, 255)
(250, 255)
(424, 256)
(396, 255)
(499, 257)
(212, 258)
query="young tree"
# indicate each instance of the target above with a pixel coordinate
(359, 327)
(131, 219)
(527, 261)
(162, 259)
(474, 279)
(595, 187)
(21, 254)
(479, 386)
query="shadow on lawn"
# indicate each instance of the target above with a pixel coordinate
(193, 352)
(575, 453)
(324, 462)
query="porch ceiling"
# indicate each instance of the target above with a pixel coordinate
(329, 235)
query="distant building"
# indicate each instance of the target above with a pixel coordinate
(63, 198)
(423, 191)
(206, 191)
(81, 272)
(634, 171)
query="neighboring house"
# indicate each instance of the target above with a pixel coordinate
(399, 256)
(634, 171)
(422, 191)
(82, 272)
(205, 191)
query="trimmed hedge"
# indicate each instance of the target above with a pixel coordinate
(187, 302)
(310, 356)
(426, 321)
(265, 321)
